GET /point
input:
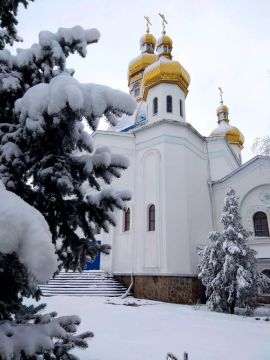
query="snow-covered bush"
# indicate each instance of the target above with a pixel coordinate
(228, 267)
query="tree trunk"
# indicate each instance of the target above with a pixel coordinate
(232, 306)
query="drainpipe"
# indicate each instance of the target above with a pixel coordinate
(210, 187)
(133, 246)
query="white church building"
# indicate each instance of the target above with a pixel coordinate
(178, 179)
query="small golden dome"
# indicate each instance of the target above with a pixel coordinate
(164, 47)
(232, 133)
(137, 66)
(165, 71)
(164, 40)
(222, 109)
(148, 39)
(234, 136)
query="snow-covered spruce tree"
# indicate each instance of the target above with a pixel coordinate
(46, 156)
(48, 159)
(27, 258)
(228, 266)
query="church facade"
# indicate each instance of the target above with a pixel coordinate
(178, 179)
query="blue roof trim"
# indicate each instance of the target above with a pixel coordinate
(129, 128)
(134, 126)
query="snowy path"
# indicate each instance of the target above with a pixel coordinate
(148, 332)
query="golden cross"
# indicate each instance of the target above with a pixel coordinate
(148, 22)
(220, 94)
(164, 21)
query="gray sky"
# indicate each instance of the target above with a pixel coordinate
(220, 43)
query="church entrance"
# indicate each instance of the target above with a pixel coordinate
(95, 265)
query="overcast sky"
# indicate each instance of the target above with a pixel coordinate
(220, 43)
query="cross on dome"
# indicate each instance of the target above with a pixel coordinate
(220, 94)
(164, 21)
(233, 135)
(222, 110)
(148, 22)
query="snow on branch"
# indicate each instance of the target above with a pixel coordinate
(56, 45)
(32, 339)
(88, 100)
(75, 36)
(107, 198)
(25, 232)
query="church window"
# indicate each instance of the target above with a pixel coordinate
(181, 107)
(127, 219)
(169, 104)
(151, 218)
(155, 106)
(165, 49)
(260, 224)
(136, 89)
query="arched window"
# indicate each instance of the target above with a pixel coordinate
(136, 89)
(151, 218)
(260, 224)
(155, 106)
(126, 219)
(181, 107)
(169, 104)
(165, 49)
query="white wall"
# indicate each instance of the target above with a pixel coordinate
(121, 257)
(169, 168)
(183, 194)
(221, 157)
(161, 91)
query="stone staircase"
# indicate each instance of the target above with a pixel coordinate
(86, 283)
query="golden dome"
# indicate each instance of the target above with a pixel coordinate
(147, 57)
(234, 136)
(164, 47)
(232, 133)
(222, 109)
(137, 66)
(148, 39)
(164, 40)
(165, 71)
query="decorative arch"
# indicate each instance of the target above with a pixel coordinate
(169, 104)
(256, 199)
(151, 217)
(260, 224)
(126, 220)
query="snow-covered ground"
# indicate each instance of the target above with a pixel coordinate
(151, 329)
